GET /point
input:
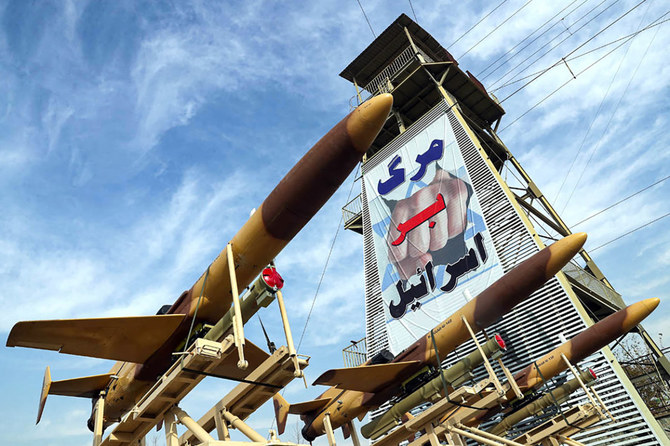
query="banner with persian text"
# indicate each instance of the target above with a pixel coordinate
(433, 249)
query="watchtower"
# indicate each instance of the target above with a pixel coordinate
(441, 134)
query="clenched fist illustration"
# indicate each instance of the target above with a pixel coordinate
(440, 209)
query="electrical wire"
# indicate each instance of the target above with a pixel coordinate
(616, 108)
(620, 201)
(413, 13)
(630, 232)
(481, 76)
(588, 130)
(553, 47)
(496, 28)
(654, 24)
(475, 25)
(325, 266)
(576, 49)
(366, 19)
(559, 88)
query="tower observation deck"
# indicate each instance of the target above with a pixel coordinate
(446, 116)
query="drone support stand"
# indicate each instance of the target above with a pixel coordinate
(329, 430)
(289, 337)
(98, 415)
(238, 324)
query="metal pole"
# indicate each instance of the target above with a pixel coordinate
(487, 364)
(97, 422)
(358, 92)
(569, 441)
(434, 441)
(241, 426)
(510, 379)
(354, 434)
(200, 433)
(289, 337)
(221, 426)
(477, 438)
(490, 435)
(329, 430)
(581, 384)
(171, 435)
(238, 325)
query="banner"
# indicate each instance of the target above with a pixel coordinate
(432, 246)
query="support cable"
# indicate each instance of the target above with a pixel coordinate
(475, 25)
(195, 314)
(620, 201)
(496, 28)
(366, 19)
(481, 73)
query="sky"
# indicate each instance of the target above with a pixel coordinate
(136, 137)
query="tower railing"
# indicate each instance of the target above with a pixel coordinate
(352, 210)
(381, 82)
(583, 277)
(378, 83)
(355, 354)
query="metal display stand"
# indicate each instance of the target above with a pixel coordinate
(450, 418)
(160, 403)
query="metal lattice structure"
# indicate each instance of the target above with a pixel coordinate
(519, 218)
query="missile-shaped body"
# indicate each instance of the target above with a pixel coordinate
(293, 202)
(433, 388)
(584, 344)
(557, 395)
(346, 401)
(285, 211)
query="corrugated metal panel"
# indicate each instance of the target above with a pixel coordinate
(533, 327)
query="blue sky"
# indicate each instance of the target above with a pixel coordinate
(135, 137)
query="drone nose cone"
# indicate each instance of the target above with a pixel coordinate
(562, 251)
(366, 121)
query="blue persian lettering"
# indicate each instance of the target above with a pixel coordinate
(397, 177)
(433, 153)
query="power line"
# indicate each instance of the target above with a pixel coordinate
(560, 87)
(496, 28)
(627, 37)
(481, 73)
(366, 19)
(555, 46)
(588, 131)
(576, 49)
(563, 85)
(413, 13)
(616, 108)
(323, 272)
(475, 25)
(630, 232)
(620, 201)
